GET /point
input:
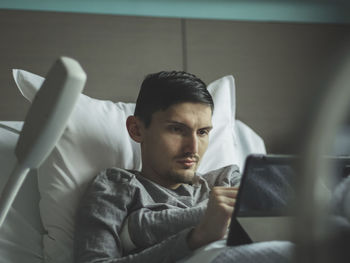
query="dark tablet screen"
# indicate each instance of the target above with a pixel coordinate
(267, 191)
(268, 183)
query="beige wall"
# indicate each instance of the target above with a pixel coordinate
(115, 51)
(279, 67)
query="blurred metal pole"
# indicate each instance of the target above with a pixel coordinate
(311, 229)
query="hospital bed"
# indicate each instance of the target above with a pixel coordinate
(40, 223)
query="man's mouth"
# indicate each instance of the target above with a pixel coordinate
(187, 163)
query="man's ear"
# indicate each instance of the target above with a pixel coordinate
(135, 127)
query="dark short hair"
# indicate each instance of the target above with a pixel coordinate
(161, 90)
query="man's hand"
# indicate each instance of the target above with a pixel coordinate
(216, 219)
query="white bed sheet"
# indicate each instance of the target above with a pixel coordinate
(21, 233)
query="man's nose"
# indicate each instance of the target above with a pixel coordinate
(192, 143)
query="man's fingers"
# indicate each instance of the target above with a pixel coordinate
(227, 200)
(231, 194)
(225, 191)
(228, 210)
(225, 188)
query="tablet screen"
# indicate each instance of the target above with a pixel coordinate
(268, 184)
(267, 190)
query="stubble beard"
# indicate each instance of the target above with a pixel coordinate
(185, 177)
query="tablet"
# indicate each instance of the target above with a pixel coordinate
(265, 197)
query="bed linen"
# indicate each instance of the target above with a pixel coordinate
(21, 233)
(218, 252)
(263, 252)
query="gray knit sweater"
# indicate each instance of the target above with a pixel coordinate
(158, 219)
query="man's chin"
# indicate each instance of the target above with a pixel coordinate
(184, 176)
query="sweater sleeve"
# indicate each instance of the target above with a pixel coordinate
(162, 224)
(226, 176)
(100, 217)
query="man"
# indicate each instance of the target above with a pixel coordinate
(165, 211)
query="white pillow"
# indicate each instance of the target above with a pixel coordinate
(96, 138)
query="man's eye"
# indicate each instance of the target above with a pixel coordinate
(176, 129)
(203, 132)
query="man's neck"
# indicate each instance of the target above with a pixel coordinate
(159, 181)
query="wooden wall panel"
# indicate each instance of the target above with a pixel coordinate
(279, 69)
(116, 51)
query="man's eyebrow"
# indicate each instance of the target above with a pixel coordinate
(183, 124)
(207, 128)
(176, 122)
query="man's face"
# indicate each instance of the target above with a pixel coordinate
(174, 143)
